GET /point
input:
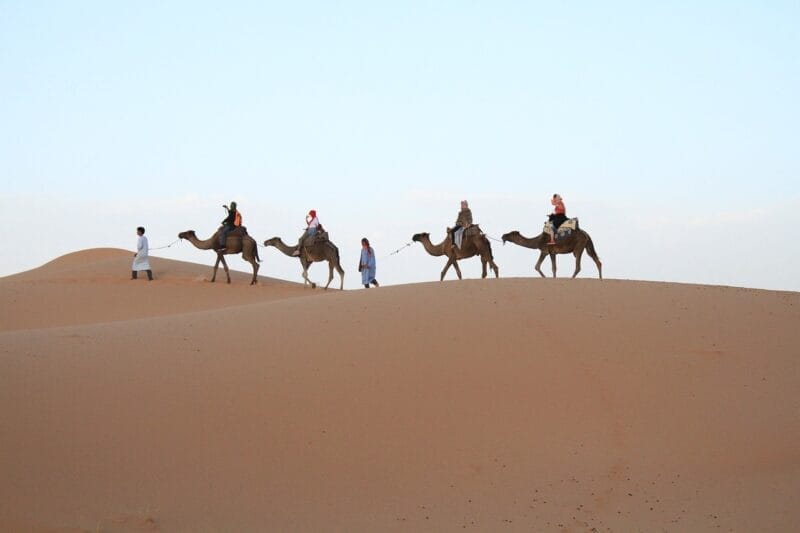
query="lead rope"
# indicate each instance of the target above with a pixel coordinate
(167, 246)
(406, 245)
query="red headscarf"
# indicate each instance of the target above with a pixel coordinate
(558, 202)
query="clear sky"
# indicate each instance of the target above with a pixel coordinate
(670, 129)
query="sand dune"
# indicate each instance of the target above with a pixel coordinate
(94, 286)
(482, 405)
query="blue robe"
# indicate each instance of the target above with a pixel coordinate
(368, 272)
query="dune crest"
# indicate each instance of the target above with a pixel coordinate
(93, 286)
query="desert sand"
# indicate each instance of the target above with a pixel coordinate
(475, 405)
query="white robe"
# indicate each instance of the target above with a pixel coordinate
(459, 237)
(142, 259)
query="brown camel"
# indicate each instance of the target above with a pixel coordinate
(473, 245)
(320, 251)
(234, 244)
(574, 244)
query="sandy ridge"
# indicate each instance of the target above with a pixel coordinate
(511, 404)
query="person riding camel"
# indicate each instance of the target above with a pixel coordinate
(557, 217)
(231, 222)
(312, 227)
(463, 221)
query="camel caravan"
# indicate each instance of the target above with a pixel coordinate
(464, 240)
(232, 239)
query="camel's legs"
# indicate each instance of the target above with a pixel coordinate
(578, 253)
(450, 261)
(485, 252)
(553, 261)
(307, 281)
(495, 268)
(216, 266)
(538, 266)
(593, 254)
(454, 262)
(249, 255)
(458, 268)
(596, 260)
(330, 274)
(225, 264)
(256, 266)
(306, 264)
(341, 277)
(486, 259)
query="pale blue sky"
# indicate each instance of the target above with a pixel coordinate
(677, 121)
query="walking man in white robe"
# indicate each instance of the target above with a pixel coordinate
(141, 259)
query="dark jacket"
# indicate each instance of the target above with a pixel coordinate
(230, 218)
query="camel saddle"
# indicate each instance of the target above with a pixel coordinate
(564, 230)
(471, 231)
(239, 231)
(311, 240)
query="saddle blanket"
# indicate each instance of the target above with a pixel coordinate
(472, 231)
(239, 231)
(569, 226)
(468, 232)
(311, 240)
(564, 230)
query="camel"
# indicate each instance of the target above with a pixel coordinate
(574, 244)
(473, 245)
(318, 252)
(234, 244)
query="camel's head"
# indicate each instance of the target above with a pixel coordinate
(419, 236)
(510, 235)
(186, 234)
(272, 242)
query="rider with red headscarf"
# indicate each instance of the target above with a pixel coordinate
(312, 227)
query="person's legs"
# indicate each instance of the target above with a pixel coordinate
(459, 237)
(300, 243)
(134, 274)
(223, 237)
(150, 275)
(453, 234)
(375, 282)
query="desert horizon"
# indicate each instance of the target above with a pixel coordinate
(511, 404)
